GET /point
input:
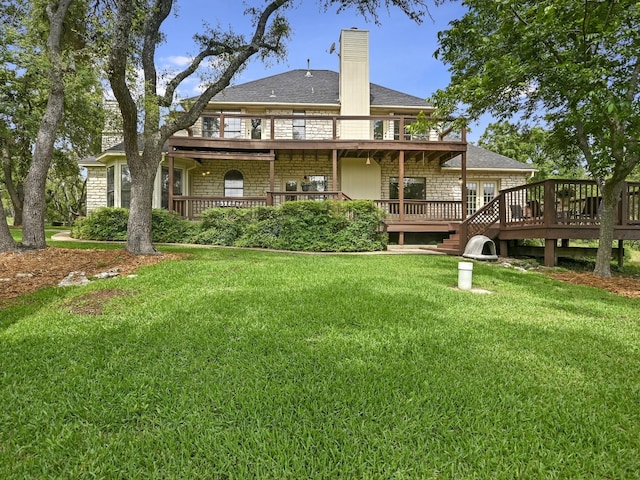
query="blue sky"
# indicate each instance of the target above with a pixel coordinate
(401, 51)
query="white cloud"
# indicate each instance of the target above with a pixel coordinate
(178, 60)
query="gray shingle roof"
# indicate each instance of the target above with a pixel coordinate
(481, 158)
(321, 88)
(119, 147)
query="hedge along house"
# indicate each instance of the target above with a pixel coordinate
(317, 135)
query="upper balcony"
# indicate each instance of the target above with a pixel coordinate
(237, 132)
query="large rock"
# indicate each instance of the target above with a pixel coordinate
(74, 279)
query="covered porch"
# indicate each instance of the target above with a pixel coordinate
(344, 166)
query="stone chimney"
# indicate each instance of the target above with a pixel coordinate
(112, 132)
(354, 82)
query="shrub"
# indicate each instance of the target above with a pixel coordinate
(111, 224)
(169, 227)
(104, 223)
(304, 226)
(221, 226)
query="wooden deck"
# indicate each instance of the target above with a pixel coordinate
(552, 210)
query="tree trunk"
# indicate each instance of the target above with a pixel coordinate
(17, 208)
(6, 240)
(15, 191)
(34, 189)
(610, 197)
(143, 172)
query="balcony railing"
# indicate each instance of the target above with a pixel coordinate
(231, 126)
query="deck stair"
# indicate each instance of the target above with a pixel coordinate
(450, 245)
(482, 222)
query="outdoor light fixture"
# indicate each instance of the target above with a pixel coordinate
(368, 162)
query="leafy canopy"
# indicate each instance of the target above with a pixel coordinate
(534, 146)
(573, 66)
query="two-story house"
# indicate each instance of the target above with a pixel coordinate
(317, 135)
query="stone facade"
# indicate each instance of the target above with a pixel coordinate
(96, 188)
(208, 179)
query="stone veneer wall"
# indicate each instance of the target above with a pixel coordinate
(208, 180)
(96, 188)
(440, 185)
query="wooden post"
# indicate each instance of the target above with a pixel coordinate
(170, 186)
(401, 185)
(623, 212)
(272, 172)
(620, 253)
(549, 213)
(334, 165)
(504, 248)
(463, 186)
(549, 252)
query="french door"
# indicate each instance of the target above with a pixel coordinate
(479, 193)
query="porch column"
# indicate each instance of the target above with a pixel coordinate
(550, 252)
(620, 253)
(170, 186)
(463, 187)
(334, 182)
(401, 185)
(272, 172)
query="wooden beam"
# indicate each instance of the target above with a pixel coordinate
(550, 252)
(334, 169)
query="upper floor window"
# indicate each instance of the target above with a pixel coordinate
(378, 129)
(233, 184)
(299, 126)
(232, 126)
(256, 129)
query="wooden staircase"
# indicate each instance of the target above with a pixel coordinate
(480, 223)
(450, 245)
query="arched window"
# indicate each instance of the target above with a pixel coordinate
(233, 184)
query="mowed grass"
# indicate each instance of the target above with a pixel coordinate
(235, 364)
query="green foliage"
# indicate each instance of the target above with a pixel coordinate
(302, 226)
(576, 70)
(111, 224)
(167, 227)
(102, 224)
(534, 146)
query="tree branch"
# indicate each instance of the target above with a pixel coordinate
(242, 55)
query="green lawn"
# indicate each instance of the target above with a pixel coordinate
(233, 364)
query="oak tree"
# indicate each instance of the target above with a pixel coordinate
(573, 65)
(133, 37)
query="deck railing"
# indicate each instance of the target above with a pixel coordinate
(192, 207)
(552, 203)
(228, 125)
(278, 198)
(422, 210)
(566, 202)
